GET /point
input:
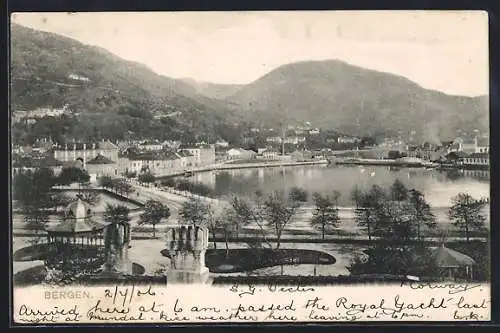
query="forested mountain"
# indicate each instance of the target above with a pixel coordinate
(115, 98)
(213, 90)
(111, 96)
(334, 94)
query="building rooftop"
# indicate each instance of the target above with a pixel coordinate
(479, 155)
(100, 159)
(87, 145)
(483, 142)
(445, 257)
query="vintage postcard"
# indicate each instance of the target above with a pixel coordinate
(244, 167)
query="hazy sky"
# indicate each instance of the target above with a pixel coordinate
(445, 50)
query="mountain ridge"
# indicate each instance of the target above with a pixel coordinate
(330, 94)
(353, 99)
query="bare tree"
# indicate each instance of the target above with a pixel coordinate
(368, 214)
(423, 215)
(325, 215)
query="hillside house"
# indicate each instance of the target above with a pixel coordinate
(348, 139)
(153, 145)
(238, 153)
(273, 139)
(222, 143)
(171, 144)
(270, 154)
(314, 131)
(295, 140)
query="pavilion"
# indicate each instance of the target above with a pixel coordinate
(452, 264)
(77, 242)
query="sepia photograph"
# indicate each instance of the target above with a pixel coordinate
(292, 150)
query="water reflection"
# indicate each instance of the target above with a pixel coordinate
(438, 186)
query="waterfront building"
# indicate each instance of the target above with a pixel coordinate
(102, 166)
(85, 151)
(160, 164)
(482, 145)
(476, 159)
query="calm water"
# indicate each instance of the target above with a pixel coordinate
(438, 186)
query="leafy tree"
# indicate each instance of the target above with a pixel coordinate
(122, 187)
(423, 215)
(466, 213)
(368, 214)
(194, 211)
(154, 213)
(60, 200)
(393, 154)
(169, 182)
(325, 215)
(116, 214)
(356, 196)
(91, 197)
(130, 174)
(106, 182)
(398, 221)
(398, 191)
(33, 190)
(71, 175)
(335, 198)
(298, 194)
(146, 177)
(383, 259)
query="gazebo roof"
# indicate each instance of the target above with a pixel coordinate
(78, 219)
(100, 159)
(445, 257)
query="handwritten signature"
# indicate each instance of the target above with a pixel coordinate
(250, 289)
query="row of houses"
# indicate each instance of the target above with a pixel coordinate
(463, 159)
(105, 158)
(436, 152)
(32, 116)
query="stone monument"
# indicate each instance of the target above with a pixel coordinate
(116, 244)
(186, 247)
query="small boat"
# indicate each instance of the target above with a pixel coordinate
(188, 173)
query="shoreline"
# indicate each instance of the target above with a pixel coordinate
(407, 164)
(229, 166)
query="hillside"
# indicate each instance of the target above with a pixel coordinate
(51, 70)
(213, 90)
(334, 94)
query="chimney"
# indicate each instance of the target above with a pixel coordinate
(66, 146)
(84, 146)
